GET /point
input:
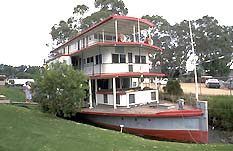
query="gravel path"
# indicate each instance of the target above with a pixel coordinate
(190, 88)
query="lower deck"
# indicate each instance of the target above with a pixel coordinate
(149, 108)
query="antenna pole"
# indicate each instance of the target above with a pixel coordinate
(195, 69)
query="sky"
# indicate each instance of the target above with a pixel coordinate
(25, 24)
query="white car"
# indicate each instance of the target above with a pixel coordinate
(212, 83)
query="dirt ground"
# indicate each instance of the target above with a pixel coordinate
(202, 90)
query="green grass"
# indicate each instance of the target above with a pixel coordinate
(23, 129)
(221, 108)
(13, 93)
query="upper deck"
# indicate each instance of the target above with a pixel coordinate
(113, 30)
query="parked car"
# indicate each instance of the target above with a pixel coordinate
(212, 83)
(229, 83)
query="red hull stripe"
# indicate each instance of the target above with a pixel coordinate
(179, 135)
(178, 113)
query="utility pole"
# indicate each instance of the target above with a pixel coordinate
(195, 70)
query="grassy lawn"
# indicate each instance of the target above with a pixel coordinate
(13, 93)
(23, 129)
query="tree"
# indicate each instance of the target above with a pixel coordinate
(60, 90)
(21, 72)
(66, 30)
(213, 41)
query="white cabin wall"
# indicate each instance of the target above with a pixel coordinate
(142, 97)
(107, 66)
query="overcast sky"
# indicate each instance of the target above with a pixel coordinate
(25, 24)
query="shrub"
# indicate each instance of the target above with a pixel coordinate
(173, 88)
(221, 111)
(60, 90)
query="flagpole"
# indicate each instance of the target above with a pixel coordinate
(195, 69)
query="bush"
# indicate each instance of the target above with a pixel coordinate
(173, 88)
(60, 90)
(221, 111)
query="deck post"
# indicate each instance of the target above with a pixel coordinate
(96, 87)
(114, 91)
(156, 90)
(139, 31)
(90, 95)
(116, 32)
(134, 36)
(103, 35)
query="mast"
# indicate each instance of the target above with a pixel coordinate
(195, 70)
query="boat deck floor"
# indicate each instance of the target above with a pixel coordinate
(139, 109)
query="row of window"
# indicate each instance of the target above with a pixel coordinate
(117, 58)
(98, 59)
(106, 37)
(121, 58)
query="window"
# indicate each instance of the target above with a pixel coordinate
(98, 59)
(100, 37)
(117, 99)
(78, 45)
(107, 37)
(90, 59)
(118, 58)
(130, 68)
(87, 41)
(95, 36)
(143, 59)
(83, 42)
(115, 58)
(140, 59)
(153, 95)
(137, 59)
(105, 98)
(122, 58)
(130, 59)
(131, 98)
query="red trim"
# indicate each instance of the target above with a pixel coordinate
(103, 22)
(179, 135)
(117, 43)
(134, 19)
(108, 92)
(174, 113)
(127, 74)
